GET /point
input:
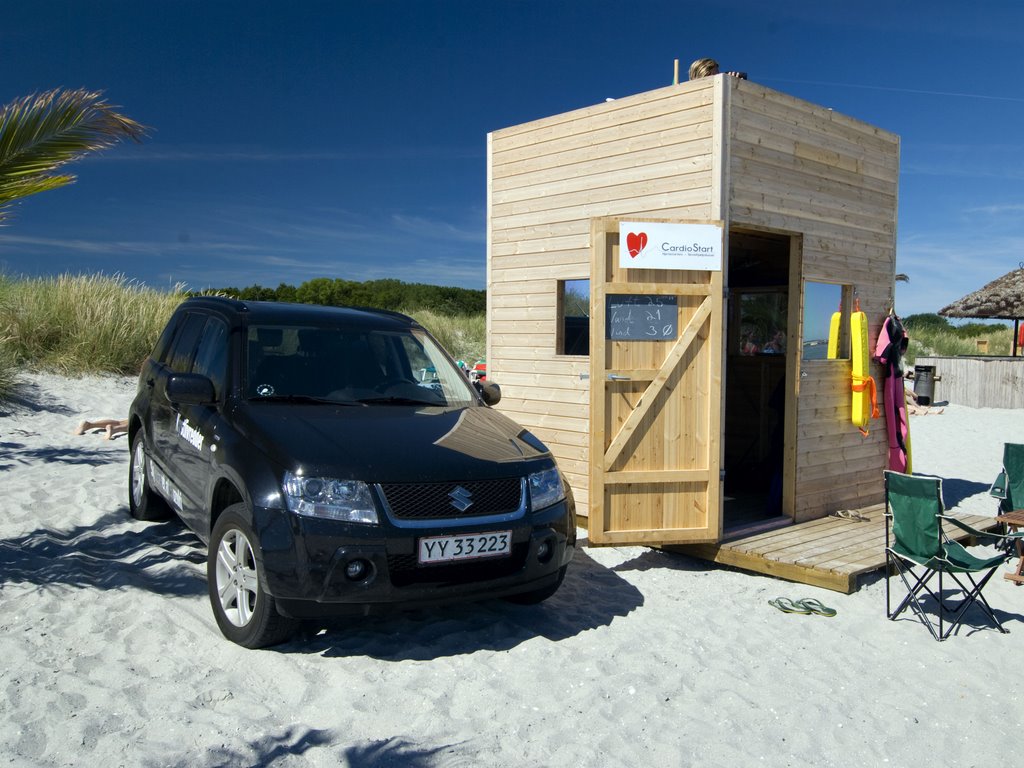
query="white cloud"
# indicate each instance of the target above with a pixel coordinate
(997, 210)
(21, 243)
(435, 229)
(158, 153)
(270, 270)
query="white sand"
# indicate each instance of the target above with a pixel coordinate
(110, 655)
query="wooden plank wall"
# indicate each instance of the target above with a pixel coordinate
(792, 167)
(801, 168)
(648, 155)
(978, 382)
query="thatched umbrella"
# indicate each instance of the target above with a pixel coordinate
(1002, 299)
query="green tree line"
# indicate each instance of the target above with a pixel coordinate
(381, 294)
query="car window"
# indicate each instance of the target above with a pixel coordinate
(417, 359)
(163, 347)
(433, 368)
(212, 354)
(351, 365)
(184, 345)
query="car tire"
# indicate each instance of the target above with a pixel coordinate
(143, 502)
(538, 595)
(245, 613)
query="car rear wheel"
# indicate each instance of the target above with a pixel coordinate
(143, 503)
(245, 613)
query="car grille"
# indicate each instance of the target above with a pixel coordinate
(433, 501)
(404, 570)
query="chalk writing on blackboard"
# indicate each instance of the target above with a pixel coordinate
(641, 317)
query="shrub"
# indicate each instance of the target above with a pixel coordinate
(974, 330)
(926, 322)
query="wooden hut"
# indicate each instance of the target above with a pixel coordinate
(733, 418)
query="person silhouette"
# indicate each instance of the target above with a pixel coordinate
(708, 67)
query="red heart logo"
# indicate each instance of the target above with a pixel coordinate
(636, 242)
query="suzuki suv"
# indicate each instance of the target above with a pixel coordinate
(337, 460)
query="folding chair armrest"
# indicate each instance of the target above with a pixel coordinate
(983, 537)
(998, 489)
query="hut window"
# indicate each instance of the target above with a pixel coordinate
(573, 317)
(823, 338)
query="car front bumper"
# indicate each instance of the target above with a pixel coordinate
(305, 562)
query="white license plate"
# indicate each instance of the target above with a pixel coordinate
(466, 546)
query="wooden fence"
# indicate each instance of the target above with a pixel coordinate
(978, 382)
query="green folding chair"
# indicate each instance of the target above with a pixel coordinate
(1009, 489)
(917, 549)
(1009, 485)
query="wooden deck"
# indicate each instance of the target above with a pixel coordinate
(831, 552)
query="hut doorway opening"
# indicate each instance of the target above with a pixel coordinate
(759, 341)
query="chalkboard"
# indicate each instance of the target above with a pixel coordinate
(635, 317)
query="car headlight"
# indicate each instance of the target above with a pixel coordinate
(545, 488)
(330, 498)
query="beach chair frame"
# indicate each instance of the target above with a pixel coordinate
(918, 550)
(1008, 486)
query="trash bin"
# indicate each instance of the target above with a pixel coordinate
(924, 383)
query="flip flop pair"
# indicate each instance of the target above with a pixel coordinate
(850, 514)
(806, 606)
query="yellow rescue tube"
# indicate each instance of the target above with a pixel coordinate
(863, 385)
(833, 335)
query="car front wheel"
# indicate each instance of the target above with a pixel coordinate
(245, 613)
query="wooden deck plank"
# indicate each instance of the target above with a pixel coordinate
(825, 538)
(778, 538)
(829, 552)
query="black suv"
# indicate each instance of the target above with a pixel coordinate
(337, 460)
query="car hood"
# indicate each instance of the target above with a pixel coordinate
(392, 443)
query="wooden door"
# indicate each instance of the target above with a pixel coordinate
(655, 402)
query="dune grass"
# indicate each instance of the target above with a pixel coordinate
(78, 324)
(927, 342)
(464, 336)
(8, 371)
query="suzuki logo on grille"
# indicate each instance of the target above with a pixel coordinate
(461, 498)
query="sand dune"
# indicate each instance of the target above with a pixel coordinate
(111, 655)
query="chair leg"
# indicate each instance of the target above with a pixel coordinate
(942, 611)
(949, 617)
(971, 597)
(895, 565)
(913, 590)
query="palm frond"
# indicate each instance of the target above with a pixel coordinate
(18, 188)
(41, 132)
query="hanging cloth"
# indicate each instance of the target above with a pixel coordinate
(889, 350)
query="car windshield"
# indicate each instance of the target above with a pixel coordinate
(353, 366)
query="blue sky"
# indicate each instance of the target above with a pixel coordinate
(294, 140)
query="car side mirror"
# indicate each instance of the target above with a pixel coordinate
(489, 391)
(190, 388)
